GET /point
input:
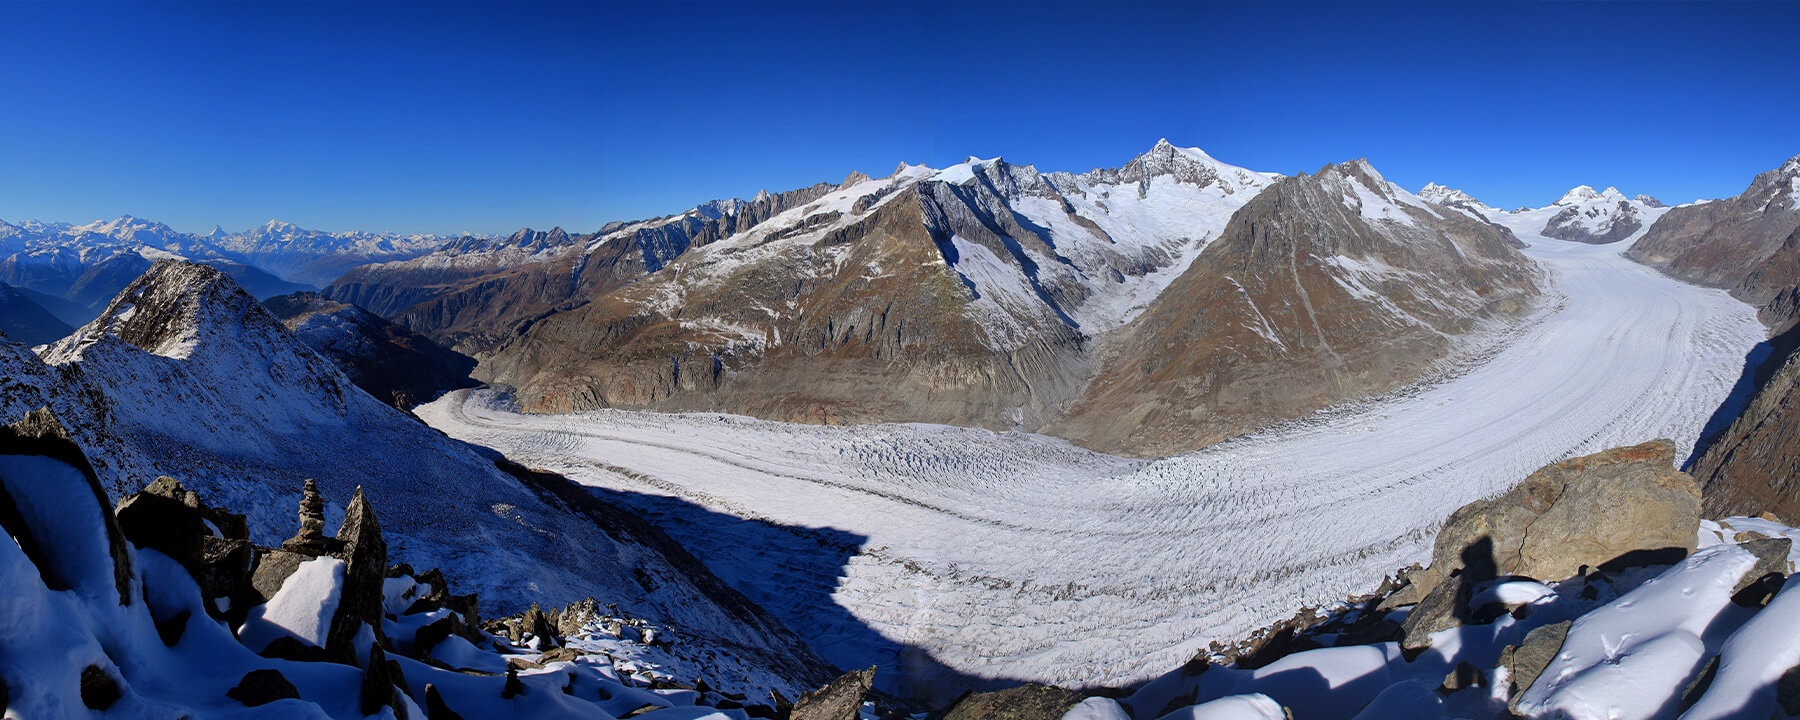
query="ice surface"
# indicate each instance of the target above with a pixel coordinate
(1020, 556)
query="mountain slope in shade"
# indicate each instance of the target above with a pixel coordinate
(965, 295)
(1746, 244)
(1327, 287)
(23, 320)
(396, 365)
(186, 375)
(389, 287)
(1754, 466)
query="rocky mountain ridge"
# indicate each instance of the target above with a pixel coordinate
(976, 294)
(185, 374)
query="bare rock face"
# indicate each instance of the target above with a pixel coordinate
(840, 700)
(365, 555)
(261, 687)
(1621, 506)
(1026, 702)
(1323, 288)
(1728, 243)
(396, 365)
(1754, 466)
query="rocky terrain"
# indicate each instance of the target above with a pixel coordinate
(1745, 244)
(392, 363)
(1750, 245)
(165, 607)
(1327, 287)
(22, 319)
(985, 294)
(186, 375)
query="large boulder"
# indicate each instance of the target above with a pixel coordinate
(840, 700)
(1026, 702)
(1623, 506)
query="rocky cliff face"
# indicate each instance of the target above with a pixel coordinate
(396, 365)
(1743, 244)
(1324, 288)
(1754, 466)
(186, 375)
(969, 295)
(1749, 244)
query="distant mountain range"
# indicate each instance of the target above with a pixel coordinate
(80, 267)
(986, 293)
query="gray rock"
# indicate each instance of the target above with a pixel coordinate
(377, 683)
(261, 687)
(1527, 661)
(1771, 557)
(1624, 506)
(1787, 691)
(1026, 702)
(365, 573)
(839, 700)
(99, 689)
(435, 709)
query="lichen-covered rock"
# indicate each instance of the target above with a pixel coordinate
(1026, 702)
(1527, 661)
(1622, 506)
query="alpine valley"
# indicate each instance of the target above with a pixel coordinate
(1173, 439)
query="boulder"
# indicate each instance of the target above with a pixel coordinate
(365, 556)
(170, 519)
(840, 700)
(1026, 702)
(1621, 507)
(541, 628)
(1527, 661)
(261, 687)
(377, 683)
(40, 434)
(99, 689)
(435, 709)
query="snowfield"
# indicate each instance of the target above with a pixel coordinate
(1016, 556)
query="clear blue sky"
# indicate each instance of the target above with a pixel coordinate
(488, 117)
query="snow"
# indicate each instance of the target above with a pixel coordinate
(1753, 661)
(301, 609)
(876, 540)
(1597, 213)
(1631, 657)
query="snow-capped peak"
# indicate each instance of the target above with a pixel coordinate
(1452, 197)
(1586, 193)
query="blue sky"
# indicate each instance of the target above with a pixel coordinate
(488, 117)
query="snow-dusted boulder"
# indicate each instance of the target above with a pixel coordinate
(1625, 505)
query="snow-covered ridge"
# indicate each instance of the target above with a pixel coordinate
(1582, 214)
(1104, 243)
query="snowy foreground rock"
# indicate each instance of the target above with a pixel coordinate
(164, 610)
(1625, 635)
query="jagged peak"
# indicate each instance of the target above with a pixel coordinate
(1648, 201)
(855, 177)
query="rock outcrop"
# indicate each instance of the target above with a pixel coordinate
(842, 699)
(1754, 466)
(1622, 506)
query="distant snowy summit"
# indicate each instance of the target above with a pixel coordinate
(1582, 214)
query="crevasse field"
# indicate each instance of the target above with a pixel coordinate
(937, 551)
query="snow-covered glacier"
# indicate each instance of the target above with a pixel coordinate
(948, 554)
